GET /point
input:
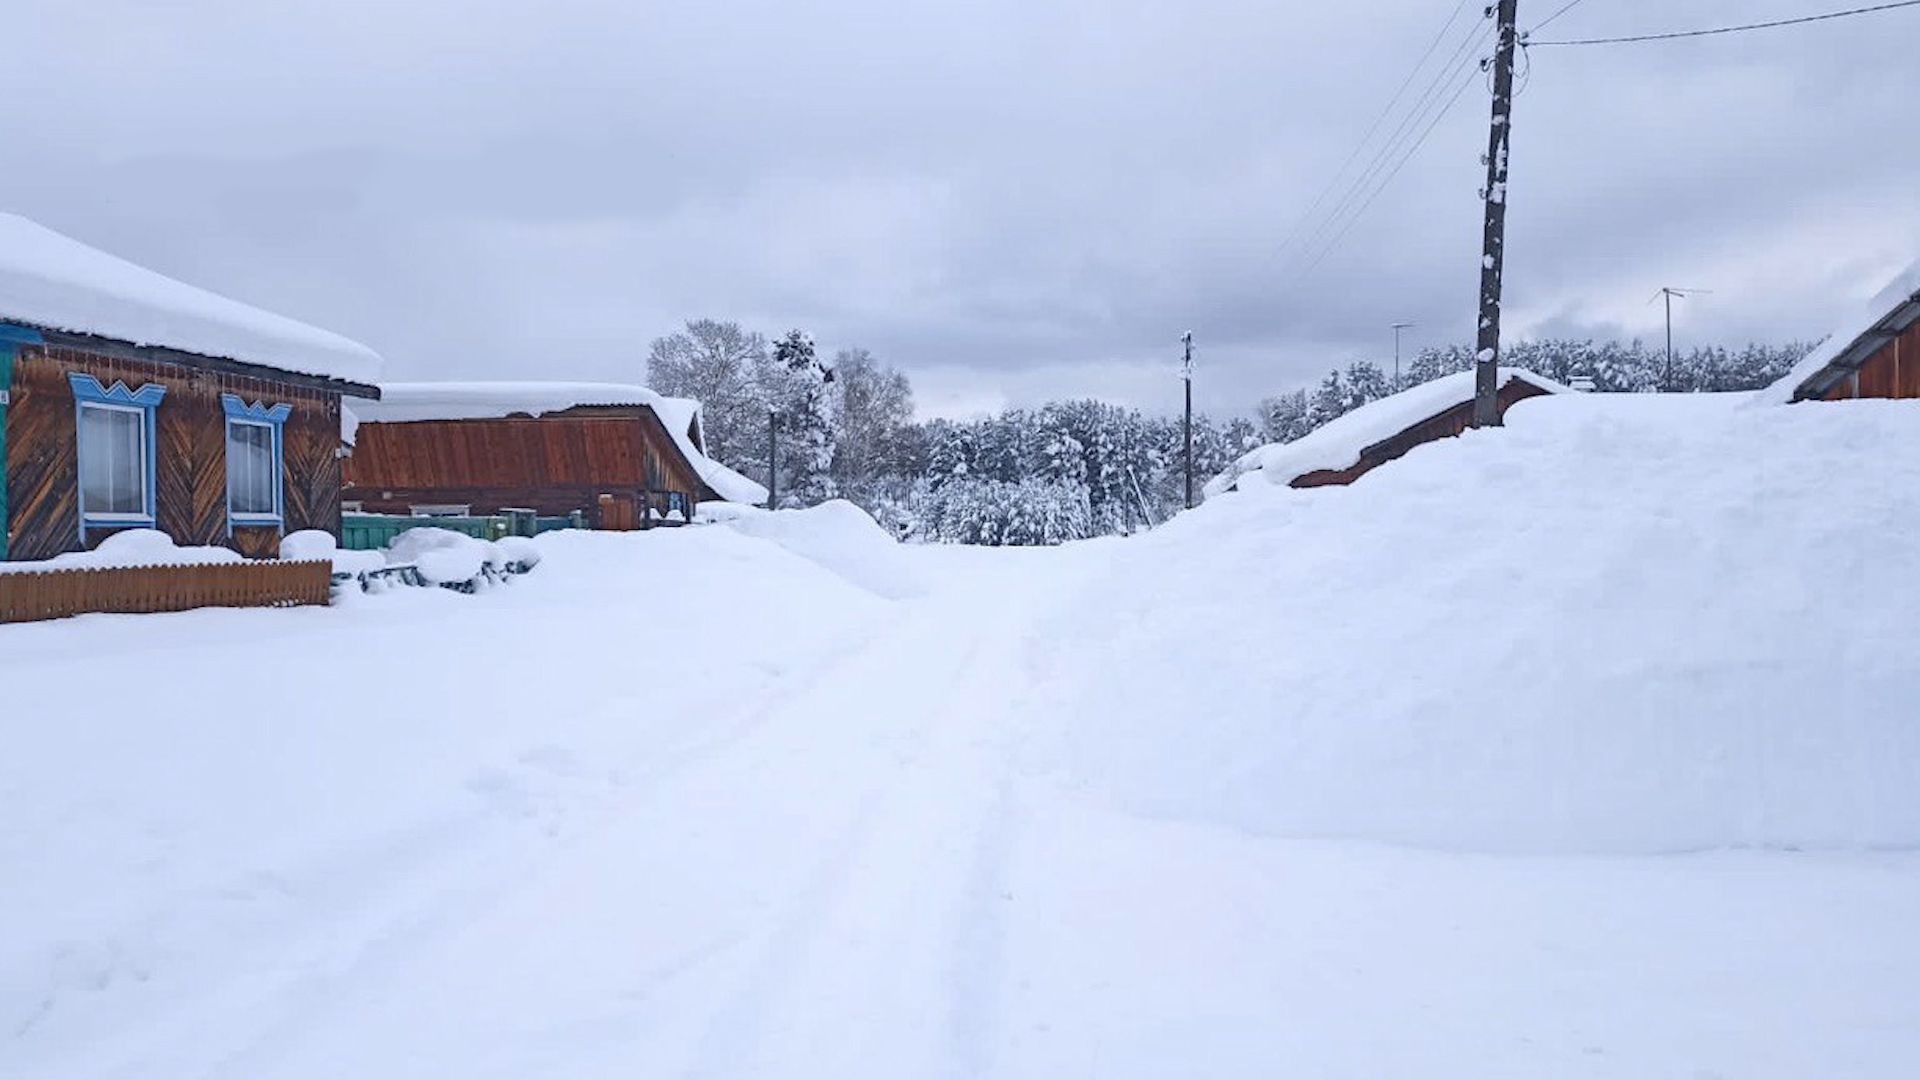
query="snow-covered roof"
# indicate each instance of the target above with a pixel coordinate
(404, 401)
(349, 425)
(1864, 331)
(1338, 444)
(683, 414)
(52, 282)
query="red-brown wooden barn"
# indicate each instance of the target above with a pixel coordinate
(1876, 354)
(620, 456)
(1355, 444)
(129, 400)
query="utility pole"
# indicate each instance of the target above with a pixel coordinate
(1486, 383)
(773, 459)
(1186, 376)
(1397, 327)
(1668, 293)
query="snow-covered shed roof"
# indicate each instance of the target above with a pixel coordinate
(1340, 443)
(52, 282)
(404, 401)
(1864, 332)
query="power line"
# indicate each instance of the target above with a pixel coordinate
(1543, 22)
(1334, 244)
(1390, 155)
(1736, 29)
(1372, 129)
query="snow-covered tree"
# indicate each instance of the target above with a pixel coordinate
(872, 412)
(720, 365)
(797, 389)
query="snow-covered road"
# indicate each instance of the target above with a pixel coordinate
(712, 804)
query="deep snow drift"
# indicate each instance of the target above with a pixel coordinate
(1622, 623)
(780, 798)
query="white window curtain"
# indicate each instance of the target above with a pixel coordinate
(113, 462)
(253, 472)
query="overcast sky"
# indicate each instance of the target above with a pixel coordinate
(1009, 200)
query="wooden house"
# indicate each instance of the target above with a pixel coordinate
(621, 456)
(1355, 444)
(130, 400)
(1874, 354)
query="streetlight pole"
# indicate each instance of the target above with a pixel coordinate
(773, 459)
(1397, 327)
(1186, 376)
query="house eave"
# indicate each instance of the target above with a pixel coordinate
(162, 355)
(1863, 348)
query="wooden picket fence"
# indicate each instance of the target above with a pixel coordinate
(29, 596)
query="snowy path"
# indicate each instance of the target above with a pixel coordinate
(1029, 822)
(818, 899)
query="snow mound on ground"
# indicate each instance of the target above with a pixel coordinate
(717, 512)
(131, 547)
(320, 546)
(444, 556)
(843, 538)
(1622, 623)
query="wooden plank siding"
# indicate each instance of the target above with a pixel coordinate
(554, 464)
(1893, 372)
(1453, 422)
(190, 496)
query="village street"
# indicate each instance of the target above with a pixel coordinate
(860, 809)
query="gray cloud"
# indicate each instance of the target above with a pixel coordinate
(1010, 200)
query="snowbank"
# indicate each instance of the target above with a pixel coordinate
(132, 547)
(1904, 286)
(53, 282)
(1339, 443)
(406, 401)
(212, 815)
(715, 512)
(843, 538)
(1620, 623)
(321, 546)
(445, 557)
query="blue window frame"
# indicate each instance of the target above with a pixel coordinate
(256, 491)
(677, 504)
(115, 436)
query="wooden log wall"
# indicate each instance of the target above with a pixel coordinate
(190, 431)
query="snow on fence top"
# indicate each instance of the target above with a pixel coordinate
(1338, 444)
(53, 282)
(402, 402)
(1852, 343)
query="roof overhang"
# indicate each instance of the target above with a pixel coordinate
(160, 355)
(1861, 349)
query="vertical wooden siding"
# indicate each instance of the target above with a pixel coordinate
(139, 590)
(190, 440)
(1893, 372)
(554, 464)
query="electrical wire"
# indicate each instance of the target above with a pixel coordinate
(1372, 129)
(1334, 244)
(1735, 29)
(1390, 152)
(1543, 22)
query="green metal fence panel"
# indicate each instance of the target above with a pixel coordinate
(372, 532)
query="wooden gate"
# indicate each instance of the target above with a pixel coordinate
(618, 513)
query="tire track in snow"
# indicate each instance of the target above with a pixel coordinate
(888, 962)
